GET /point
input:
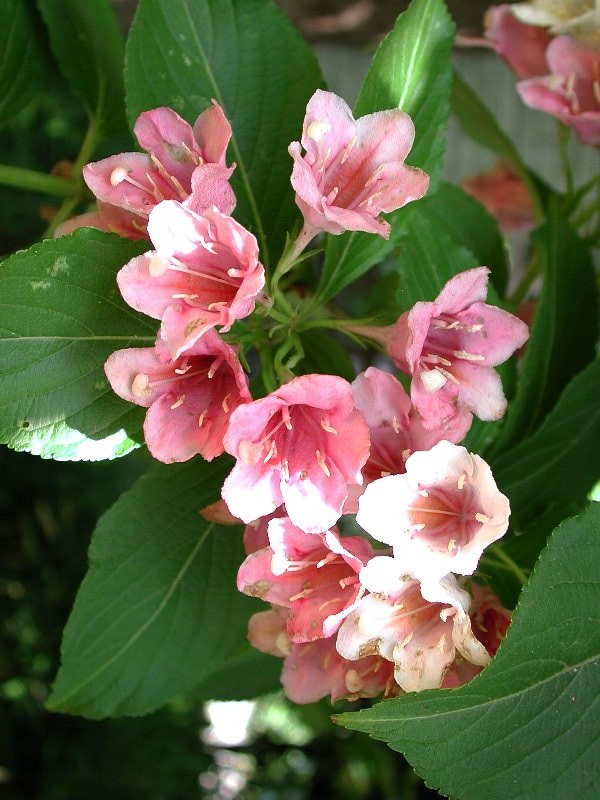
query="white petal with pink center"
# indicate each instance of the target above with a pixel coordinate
(440, 515)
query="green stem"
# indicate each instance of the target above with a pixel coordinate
(586, 215)
(507, 560)
(37, 181)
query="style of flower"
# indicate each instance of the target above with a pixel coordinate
(314, 576)
(189, 399)
(504, 195)
(571, 92)
(301, 445)
(181, 161)
(352, 170)
(204, 271)
(439, 515)
(420, 630)
(450, 347)
(313, 670)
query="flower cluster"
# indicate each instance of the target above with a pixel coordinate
(554, 49)
(315, 451)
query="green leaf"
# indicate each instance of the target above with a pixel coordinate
(411, 70)
(87, 42)
(158, 611)
(481, 125)
(62, 316)
(564, 329)
(467, 221)
(325, 353)
(528, 726)
(247, 56)
(261, 675)
(557, 467)
(22, 66)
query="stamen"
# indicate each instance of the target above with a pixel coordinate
(370, 199)
(404, 642)
(395, 424)
(304, 593)
(183, 369)
(482, 518)
(451, 545)
(461, 480)
(332, 194)
(201, 417)
(285, 415)
(349, 147)
(184, 296)
(329, 602)
(468, 356)
(272, 452)
(214, 367)
(432, 358)
(442, 643)
(329, 557)
(225, 403)
(321, 462)
(327, 427)
(285, 469)
(178, 402)
(375, 175)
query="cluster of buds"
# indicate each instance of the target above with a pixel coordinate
(554, 49)
(350, 620)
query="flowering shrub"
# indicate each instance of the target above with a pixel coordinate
(239, 281)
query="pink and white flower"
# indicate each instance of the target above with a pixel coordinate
(301, 445)
(189, 399)
(181, 161)
(420, 630)
(571, 92)
(314, 576)
(521, 45)
(204, 272)
(353, 170)
(450, 347)
(440, 515)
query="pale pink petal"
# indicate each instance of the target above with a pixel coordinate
(212, 132)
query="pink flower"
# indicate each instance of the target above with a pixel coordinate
(313, 670)
(301, 445)
(353, 170)
(489, 623)
(204, 272)
(395, 428)
(440, 515)
(419, 631)
(504, 195)
(109, 218)
(315, 576)
(522, 46)
(189, 399)
(572, 91)
(450, 347)
(182, 161)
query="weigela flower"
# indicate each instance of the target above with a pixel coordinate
(419, 630)
(489, 623)
(440, 515)
(205, 271)
(504, 195)
(109, 218)
(314, 576)
(189, 399)
(450, 347)
(572, 91)
(577, 18)
(182, 161)
(301, 445)
(522, 46)
(395, 428)
(353, 170)
(313, 670)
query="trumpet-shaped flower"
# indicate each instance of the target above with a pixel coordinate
(353, 170)
(180, 161)
(571, 92)
(189, 399)
(522, 46)
(440, 515)
(419, 630)
(301, 445)
(205, 270)
(450, 347)
(314, 576)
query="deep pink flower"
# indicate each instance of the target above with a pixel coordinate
(109, 218)
(301, 445)
(182, 161)
(205, 270)
(419, 631)
(521, 46)
(189, 399)
(450, 347)
(504, 195)
(572, 90)
(314, 576)
(440, 515)
(313, 670)
(395, 428)
(353, 170)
